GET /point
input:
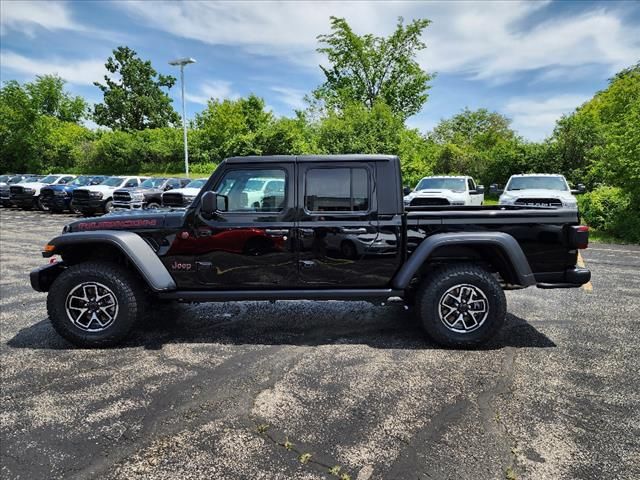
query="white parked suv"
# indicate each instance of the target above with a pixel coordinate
(99, 198)
(445, 190)
(27, 194)
(538, 190)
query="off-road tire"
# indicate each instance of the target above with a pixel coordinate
(126, 287)
(153, 205)
(433, 289)
(41, 206)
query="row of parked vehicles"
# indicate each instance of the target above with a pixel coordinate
(533, 190)
(96, 194)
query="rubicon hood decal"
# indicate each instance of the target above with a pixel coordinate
(113, 224)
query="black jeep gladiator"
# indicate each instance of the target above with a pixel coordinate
(308, 227)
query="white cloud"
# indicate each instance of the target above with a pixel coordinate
(292, 97)
(485, 40)
(218, 89)
(79, 72)
(535, 119)
(25, 16)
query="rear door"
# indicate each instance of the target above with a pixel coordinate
(338, 237)
(476, 198)
(249, 246)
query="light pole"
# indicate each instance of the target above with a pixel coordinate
(182, 62)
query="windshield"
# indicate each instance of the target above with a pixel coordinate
(455, 184)
(153, 182)
(544, 183)
(80, 181)
(254, 185)
(49, 179)
(31, 180)
(112, 181)
(197, 183)
(4, 178)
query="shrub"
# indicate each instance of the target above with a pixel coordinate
(611, 210)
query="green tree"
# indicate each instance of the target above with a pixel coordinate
(133, 94)
(231, 127)
(367, 69)
(49, 98)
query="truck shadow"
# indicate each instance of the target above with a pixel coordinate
(284, 323)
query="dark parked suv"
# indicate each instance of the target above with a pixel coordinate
(148, 194)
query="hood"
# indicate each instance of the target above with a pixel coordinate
(131, 221)
(538, 193)
(189, 192)
(435, 193)
(66, 188)
(100, 188)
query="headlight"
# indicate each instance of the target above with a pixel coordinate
(189, 198)
(29, 190)
(137, 196)
(506, 200)
(569, 203)
(96, 194)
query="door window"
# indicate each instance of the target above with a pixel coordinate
(337, 190)
(472, 185)
(131, 183)
(254, 190)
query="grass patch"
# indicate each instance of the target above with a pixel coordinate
(598, 236)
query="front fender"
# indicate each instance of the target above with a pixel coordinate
(504, 241)
(132, 246)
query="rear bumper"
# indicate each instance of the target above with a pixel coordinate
(42, 277)
(570, 278)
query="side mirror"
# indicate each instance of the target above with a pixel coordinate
(213, 203)
(480, 189)
(406, 190)
(580, 188)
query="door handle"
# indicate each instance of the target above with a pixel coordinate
(307, 263)
(276, 231)
(354, 230)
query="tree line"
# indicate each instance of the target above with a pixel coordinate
(372, 86)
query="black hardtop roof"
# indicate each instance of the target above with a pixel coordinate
(312, 158)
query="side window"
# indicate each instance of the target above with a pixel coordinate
(254, 190)
(337, 190)
(131, 183)
(173, 183)
(184, 182)
(472, 185)
(66, 179)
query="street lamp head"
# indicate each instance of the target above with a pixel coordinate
(182, 61)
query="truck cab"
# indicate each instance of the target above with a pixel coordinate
(315, 228)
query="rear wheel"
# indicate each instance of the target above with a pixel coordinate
(461, 306)
(95, 304)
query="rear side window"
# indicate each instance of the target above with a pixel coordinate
(337, 190)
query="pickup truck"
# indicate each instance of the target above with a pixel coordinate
(26, 195)
(445, 190)
(148, 194)
(451, 264)
(99, 198)
(57, 198)
(536, 189)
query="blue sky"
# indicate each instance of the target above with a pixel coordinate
(532, 61)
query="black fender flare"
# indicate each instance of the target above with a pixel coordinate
(504, 241)
(132, 246)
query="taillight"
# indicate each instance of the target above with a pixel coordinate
(580, 236)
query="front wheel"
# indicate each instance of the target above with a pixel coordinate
(95, 304)
(108, 206)
(153, 205)
(461, 306)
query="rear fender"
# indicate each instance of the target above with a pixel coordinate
(505, 242)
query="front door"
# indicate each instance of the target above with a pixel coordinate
(339, 239)
(249, 246)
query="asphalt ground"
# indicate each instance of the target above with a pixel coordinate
(295, 389)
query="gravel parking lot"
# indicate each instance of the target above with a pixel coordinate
(296, 389)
